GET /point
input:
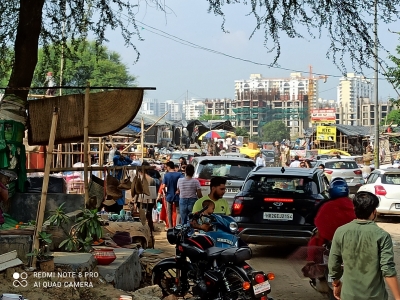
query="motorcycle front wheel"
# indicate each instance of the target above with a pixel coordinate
(165, 278)
(235, 281)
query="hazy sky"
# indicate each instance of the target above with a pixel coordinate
(174, 68)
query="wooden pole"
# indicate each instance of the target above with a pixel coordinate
(43, 199)
(86, 142)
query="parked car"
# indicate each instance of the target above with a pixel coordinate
(269, 156)
(235, 154)
(276, 205)
(178, 154)
(385, 183)
(345, 168)
(234, 169)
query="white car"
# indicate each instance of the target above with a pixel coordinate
(385, 183)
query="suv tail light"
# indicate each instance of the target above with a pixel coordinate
(358, 172)
(237, 206)
(328, 171)
(380, 190)
(203, 182)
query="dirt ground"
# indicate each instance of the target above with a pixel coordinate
(50, 289)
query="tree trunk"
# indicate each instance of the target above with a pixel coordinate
(26, 47)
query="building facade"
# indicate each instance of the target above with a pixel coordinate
(193, 109)
(352, 91)
(260, 100)
(221, 108)
(150, 107)
(366, 113)
(173, 108)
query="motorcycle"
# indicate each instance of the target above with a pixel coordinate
(208, 272)
(224, 231)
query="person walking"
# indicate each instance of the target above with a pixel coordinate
(295, 163)
(171, 181)
(366, 253)
(260, 161)
(189, 191)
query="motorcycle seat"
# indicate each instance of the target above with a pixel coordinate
(214, 252)
(236, 255)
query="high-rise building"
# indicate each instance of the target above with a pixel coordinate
(221, 108)
(193, 108)
(173, 108)
(260, 100)
(352, 91)
(150, 107)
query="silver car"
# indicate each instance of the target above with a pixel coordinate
(234, 169)
(344, 168)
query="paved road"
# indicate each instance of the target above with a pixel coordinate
(289, 283)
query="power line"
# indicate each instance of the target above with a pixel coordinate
(193, 45)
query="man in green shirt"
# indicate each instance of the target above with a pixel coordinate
(217, 191)
(366, 252)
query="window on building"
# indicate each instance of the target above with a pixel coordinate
(365, 122)
(365, 115)
(384, 107)
(372, 122)
(278, 104)
(371, 115)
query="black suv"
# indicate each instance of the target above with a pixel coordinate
(277, 205)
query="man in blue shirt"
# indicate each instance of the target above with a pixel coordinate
(120, 160)
(171, 185)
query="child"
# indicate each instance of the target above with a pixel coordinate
(204, 221)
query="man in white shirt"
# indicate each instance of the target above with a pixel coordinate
(228, 142)
(295, 163)
(260, 162)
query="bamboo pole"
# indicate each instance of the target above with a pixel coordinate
(142, 138)
(86, 142)
(144, 131)
(43, 199)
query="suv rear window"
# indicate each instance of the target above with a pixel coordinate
(275, 184)
(230, 169)
(391, 179)
(341, 165)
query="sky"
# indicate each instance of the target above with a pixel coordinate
(178, 71)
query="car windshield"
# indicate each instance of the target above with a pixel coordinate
(341, 165)
(391, 179)
(178, 155)
(229, 169)
(276, 184)
(268, 153)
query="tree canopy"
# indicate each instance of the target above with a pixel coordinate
(25, 24)
(240, 131)
(275, 131)
(86, 62)
(393, 116)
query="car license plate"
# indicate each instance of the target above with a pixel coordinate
(261, 287)
(278, 216)
(397, 205)
(232, 191)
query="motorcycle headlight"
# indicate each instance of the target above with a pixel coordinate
(233, 226)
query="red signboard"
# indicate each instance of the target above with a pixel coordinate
(322, 115)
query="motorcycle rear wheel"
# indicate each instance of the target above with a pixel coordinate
(165, 278)
(235, 280)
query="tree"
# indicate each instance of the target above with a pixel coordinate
(393, 116)
(207, 117)
(101, 67)
(275, 131)
(240, 131)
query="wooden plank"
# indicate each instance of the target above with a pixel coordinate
(45, 186)
(17, 232)
(86, 143)
(8, 256)
(11, 263)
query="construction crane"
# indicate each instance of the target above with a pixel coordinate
(311, 81)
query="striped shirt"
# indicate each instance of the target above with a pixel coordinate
(188, 187)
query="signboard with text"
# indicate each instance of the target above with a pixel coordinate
(323, 115)
(326, 133)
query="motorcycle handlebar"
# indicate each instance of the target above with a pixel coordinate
(198, 214)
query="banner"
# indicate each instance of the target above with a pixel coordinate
(326, 133)
(323, 115)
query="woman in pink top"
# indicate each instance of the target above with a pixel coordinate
(189, 191)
